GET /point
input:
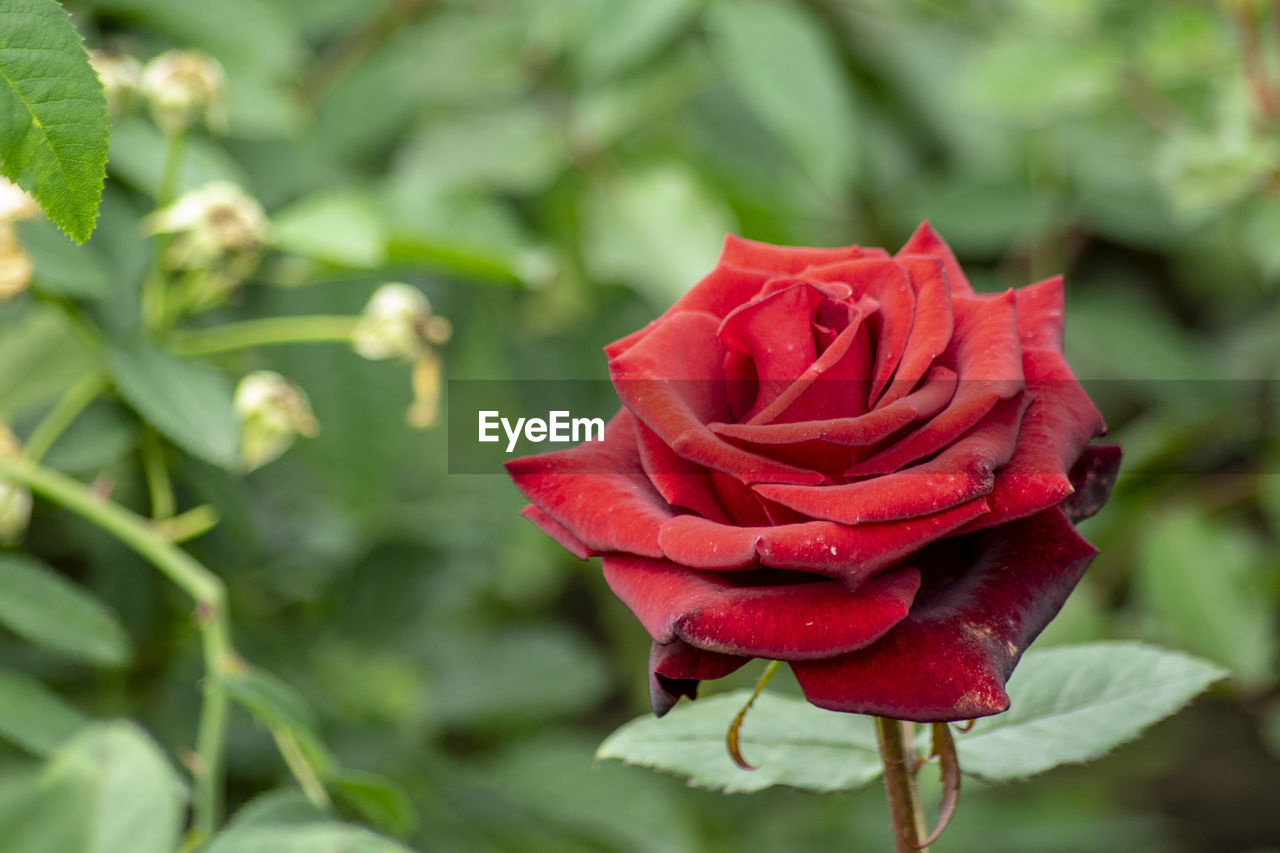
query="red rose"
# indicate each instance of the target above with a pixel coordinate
(844, 460)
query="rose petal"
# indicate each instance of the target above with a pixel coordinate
(887, 283)
(1056, 429)
(671, 381)
(597, 491)
(931, 331)
(787, 260)
(558, 532)
(925, 241)
(950, 659)
(1041, 310)
(961, 473)
(675, 668)
(680, 482)
(851, 553)
(987, 360)
(1093, 475)
(727, 613)
(775, 331)
(873, 427)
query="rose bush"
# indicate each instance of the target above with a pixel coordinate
(843, 460)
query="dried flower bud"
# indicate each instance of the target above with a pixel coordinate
(397, 323)
(214, 222)
(272, 412)
(183, 86)
(427, 371)
(15, 264)
(121, 76)
(15, 499)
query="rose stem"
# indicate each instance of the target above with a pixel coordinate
(899, 783)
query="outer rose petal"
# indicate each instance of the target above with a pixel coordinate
(931, 331)
(787, 260)
(558, 532)
(596, 491)
(925, 241)
(671, 380)
(675, 669)
(950, 658)
(1041, 312)
(851, 553)
(713, 611)
(1093, 475)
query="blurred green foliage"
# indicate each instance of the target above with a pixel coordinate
(552, 173)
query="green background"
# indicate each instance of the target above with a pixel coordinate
(552, 174)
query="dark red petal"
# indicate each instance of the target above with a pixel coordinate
(925, 241)
(675, 669)
(672, 381)
(787, 260)
(961, 473)
(887, 283)
(680, 482)
(1057, 427)
(775, 331)
(1093, 475)
(932, 329)
(717, 293)
(1040, 314)
(851, 553)
(597, 491)
(950, 659)
(861, 431)
(718, 612)
(558, 532)
(984, 350)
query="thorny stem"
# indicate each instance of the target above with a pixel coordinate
(894, 738)
(197, 581)
(159, 485)
(268, 331)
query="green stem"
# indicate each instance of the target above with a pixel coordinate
(894, 737)
(197, 581)
(63, 413)
(268, 331)
(153, 288)
(301, 768)
(163, 504)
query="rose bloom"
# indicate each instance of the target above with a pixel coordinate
(845, 460)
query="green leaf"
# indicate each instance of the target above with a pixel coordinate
(1075, 703)
(110, 788)
(279, 706)
(790, 741)
(338, 228)
(1206, 585)
(62, 269)
(39, 358)
(785, 67)
(187, 401)
(32, 716)
(626, 31)
(375, 799)
(53, 116)
(331, 837)
(48, 610)
(657, 230)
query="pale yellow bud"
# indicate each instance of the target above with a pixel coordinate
(393, 323)
(15, 264)
(213, 222)
(272, 412)
(427, 377)
(16, 204)
(121, 76)
(182, 87)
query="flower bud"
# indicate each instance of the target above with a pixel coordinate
(121, 76)
(272, 412)
(15, 499)
(16, 204)
(427, 371)
(394, 323)
(15, 264)
(183, 86)
(214, 223)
